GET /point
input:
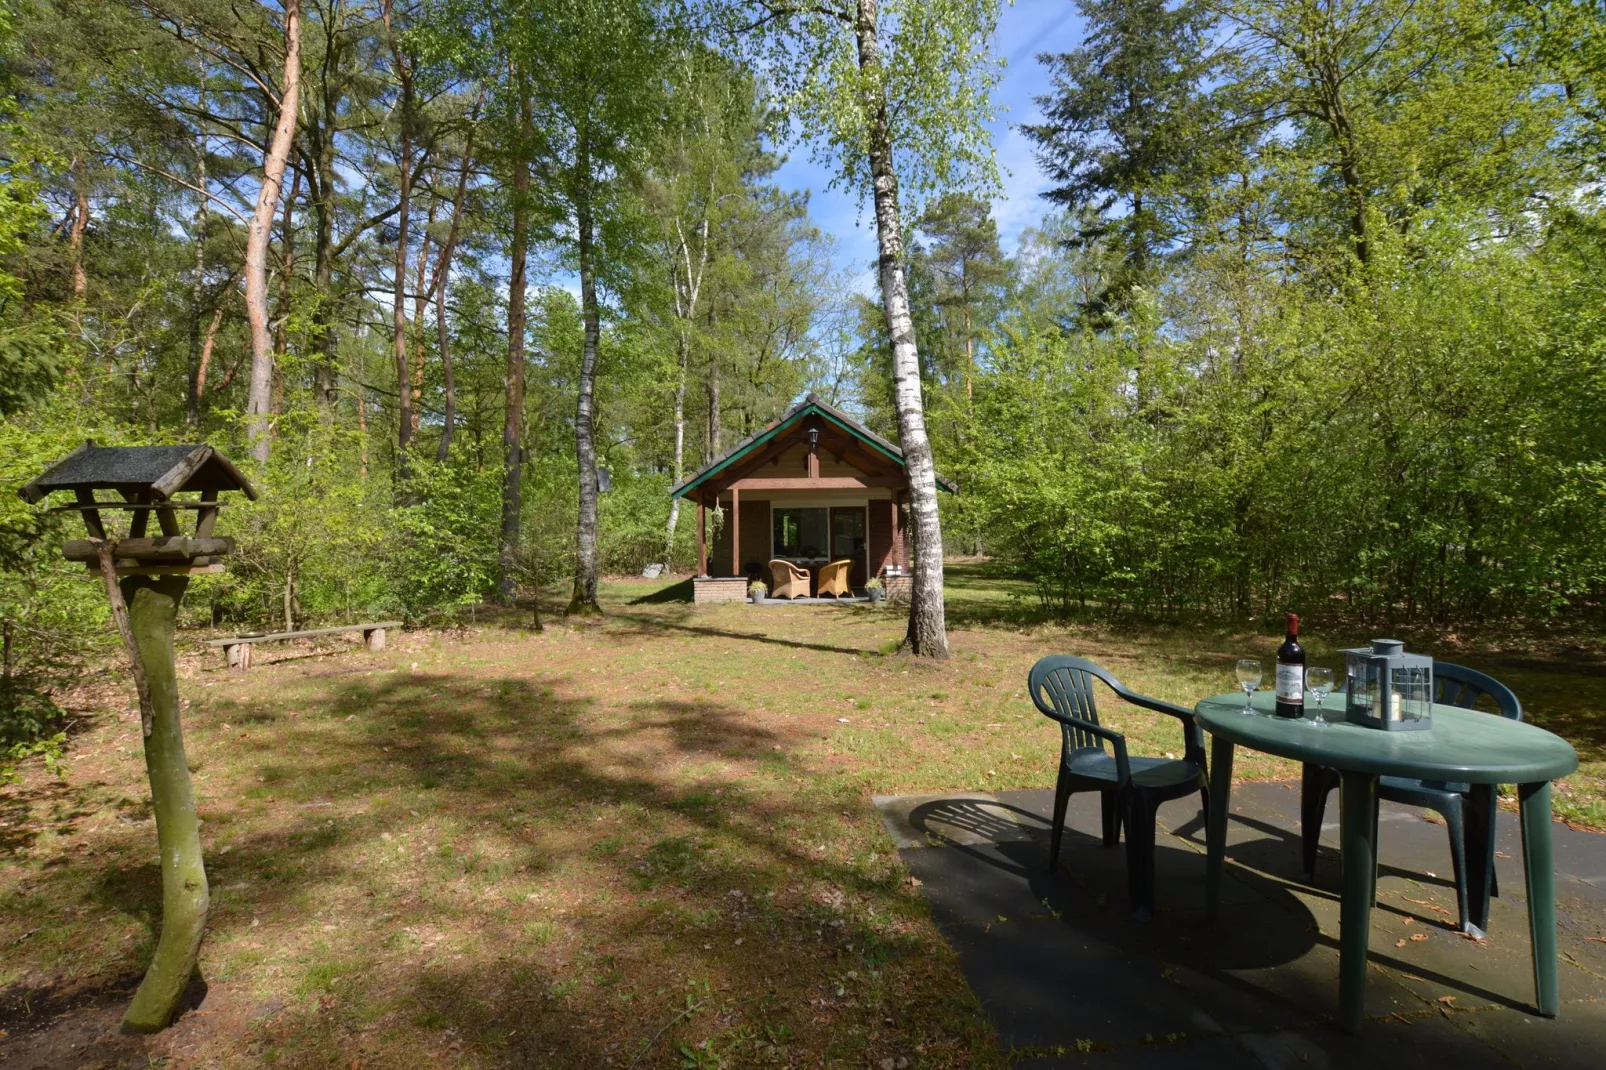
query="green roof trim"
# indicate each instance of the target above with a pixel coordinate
(809, 406)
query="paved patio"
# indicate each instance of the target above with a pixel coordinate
(1071, 981)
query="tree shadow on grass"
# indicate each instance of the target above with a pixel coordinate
(681, 593)
(490, 866)
(647, 626)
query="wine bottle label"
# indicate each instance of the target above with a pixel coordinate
(1291, 683)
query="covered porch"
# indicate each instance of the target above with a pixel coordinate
(815, 494)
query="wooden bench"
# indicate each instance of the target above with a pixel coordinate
(237, 649)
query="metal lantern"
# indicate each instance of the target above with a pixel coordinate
(1388, 688)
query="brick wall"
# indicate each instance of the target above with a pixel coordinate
(719, 589)
(881, 547)
(899, 588)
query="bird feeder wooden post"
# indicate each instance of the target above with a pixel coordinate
(145, 578)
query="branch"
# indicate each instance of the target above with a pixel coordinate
(372, 221)
(187, 185)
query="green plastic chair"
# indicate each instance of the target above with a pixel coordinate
(1130, 789)
(1468, 811)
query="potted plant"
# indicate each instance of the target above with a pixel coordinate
(875, 589)
(758, 592)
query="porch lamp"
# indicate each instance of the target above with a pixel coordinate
(1388, 688)
(814, 438)
(145, 578)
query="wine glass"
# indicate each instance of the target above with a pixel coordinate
(1248, 679)
(1319, 682)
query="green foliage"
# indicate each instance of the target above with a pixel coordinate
(446, 539)
(934, 81)
(52, 614)
(1395, 449)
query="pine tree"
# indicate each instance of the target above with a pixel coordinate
(1127, 126)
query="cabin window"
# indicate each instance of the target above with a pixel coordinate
(801, 534)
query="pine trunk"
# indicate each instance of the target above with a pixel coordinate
(404, 393)
(75, 247)
(192, 408)
(439, 284)
(513, 421)
(928, 634)
(260, 397)
(287, 265)
(324, 338)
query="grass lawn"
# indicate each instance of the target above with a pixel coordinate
(641, 842)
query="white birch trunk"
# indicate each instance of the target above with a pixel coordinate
(928, 634)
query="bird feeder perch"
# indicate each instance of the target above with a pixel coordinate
(145, 578)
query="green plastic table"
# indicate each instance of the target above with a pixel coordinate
(1463, 746)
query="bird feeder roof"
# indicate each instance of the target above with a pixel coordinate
(162, 471)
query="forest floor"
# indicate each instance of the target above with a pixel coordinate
(641, 841)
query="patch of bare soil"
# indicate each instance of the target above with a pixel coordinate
(80, 1027)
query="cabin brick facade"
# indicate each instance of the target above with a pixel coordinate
(814, 488)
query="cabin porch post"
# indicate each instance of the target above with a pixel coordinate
(702, 538)
(736, 532)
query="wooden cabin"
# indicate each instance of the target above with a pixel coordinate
(813, 487)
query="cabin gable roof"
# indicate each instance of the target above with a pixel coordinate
(779, 428)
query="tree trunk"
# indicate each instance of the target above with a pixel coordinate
(513, 421)
(715, 415)
(321, 180)
(146, 608)
(443, 272)
(686, 311)
(362, 413)
(192, 409)
(928, 634)
(258, 233)
(421, 298)
(204, 361)
(680, 449)
(1336, 112)
(584, 601)
(75, 247)
(443, 342)
(287, 266)
(290, 600)
(404, 182)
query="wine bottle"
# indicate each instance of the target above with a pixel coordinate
(1291, 672)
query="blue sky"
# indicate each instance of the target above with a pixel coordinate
(1024, 29)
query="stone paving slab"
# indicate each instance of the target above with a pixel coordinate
(1071, 981)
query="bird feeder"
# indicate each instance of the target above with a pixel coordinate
(1387, 688)
(145, 578)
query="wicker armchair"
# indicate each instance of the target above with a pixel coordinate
(788, 580)
(834, 580)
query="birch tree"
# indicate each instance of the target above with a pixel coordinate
(598, 76)
(884, 92)
(698, 171)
